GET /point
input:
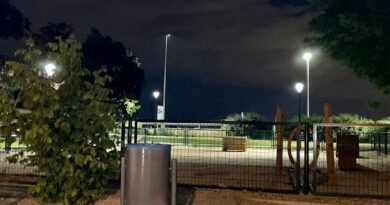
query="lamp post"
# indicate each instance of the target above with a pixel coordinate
(156, 94)
(165, 72)
(307, 57)
(299, 88)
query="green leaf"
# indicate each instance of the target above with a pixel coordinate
(79, 159)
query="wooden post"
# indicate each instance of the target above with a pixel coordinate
(279, 138)
(329, 143)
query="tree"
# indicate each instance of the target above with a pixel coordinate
(245, 117)
(363, 132)
(245, 124)
(12, 22)
(65, 124)
(122, 66)
(98, 50)
(50, 32)
(311, 119)
(355, 33)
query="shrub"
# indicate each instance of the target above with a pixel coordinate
(66, 126)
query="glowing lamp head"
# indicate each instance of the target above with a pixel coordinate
(307, 56)
(49, 69)
(168, 35)
(299, 87)
(156, 94)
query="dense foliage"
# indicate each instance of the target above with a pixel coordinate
(245, 124)
(355, 33)
(124, 67)
(50, 32)
(64, 122)
(13, 24)
(245, 117)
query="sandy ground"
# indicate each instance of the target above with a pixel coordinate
(230, 197)
(200, 196)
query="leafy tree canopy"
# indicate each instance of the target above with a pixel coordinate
(65, 126)
(310, 119)
(355, 33)
(246, 128)
(13, 24)
(50, 32)
(99, 50)
(124, 68)
(245, 117)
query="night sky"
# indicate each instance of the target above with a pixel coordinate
(224, 56)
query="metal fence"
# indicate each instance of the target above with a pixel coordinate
(380, 142)
(228, 154)
(353, 163)
(326, 159)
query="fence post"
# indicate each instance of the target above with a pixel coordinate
(306, 186)
(385, 143)
(129, 131)
(279, 138)
(298, 164)
(379, 144)
(123, 132)
(185, 136)
(330, 165)
(314, 168)
(136, 132)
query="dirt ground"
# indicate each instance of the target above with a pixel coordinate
(201, 196)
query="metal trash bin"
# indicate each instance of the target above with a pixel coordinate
(147, 175)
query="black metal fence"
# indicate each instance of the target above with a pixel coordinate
(380, 142)
(263, 156)
(241, 155)
(354, 164)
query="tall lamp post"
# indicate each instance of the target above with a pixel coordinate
(156, 94)
(299, 88)
(165, 72)
(307, 57)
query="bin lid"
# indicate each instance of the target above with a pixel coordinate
(161, 147)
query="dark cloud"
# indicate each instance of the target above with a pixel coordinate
(224, 56)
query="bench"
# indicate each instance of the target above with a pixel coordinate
(235, 143)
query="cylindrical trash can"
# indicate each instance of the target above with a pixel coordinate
(147, 174)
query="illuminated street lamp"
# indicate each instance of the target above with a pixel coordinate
(307, 56)
(165, 72)
(299, 88)
(156, 94)
(49, 69)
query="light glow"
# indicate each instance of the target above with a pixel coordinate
(156, 94)
(49, 69)
(299, 87)
(307, 56)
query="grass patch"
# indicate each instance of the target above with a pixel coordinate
(211, 141)
(15, 144)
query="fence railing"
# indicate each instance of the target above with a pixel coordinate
(228, 154)
(267, 156)
(355, 163)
